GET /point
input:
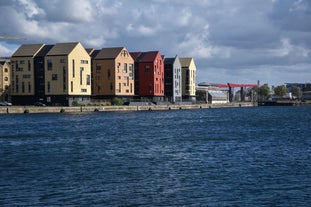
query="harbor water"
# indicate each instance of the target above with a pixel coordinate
(252, 156)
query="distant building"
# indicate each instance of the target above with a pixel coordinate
(54, 74)
(149, 75)
(113, 73)
(304, 87)
(211, 93)
(5, 80)
(172, 76)
(188, 79)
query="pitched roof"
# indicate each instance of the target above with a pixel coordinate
(149, 56)
(169, 60)
(89, 50)
(135, 55)
(27, 50)
(185, 62)
(94, 53)
(45, 49)
(109, 53)
(62, 48)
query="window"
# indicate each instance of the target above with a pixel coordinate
(23, 87)
(83, 90)
(118, 65)
(111, 87)
(50, 64)
(6, 78)
(108, 74)
(64, 79)
(19, 69)
(54, 76)
(71, 86)
(98, 68)
(49, 87)
(84, 61)
(125, 68)
(6, 70)
(81, 74)
(88, 79)
(22, 62)
(63, 60)
(73, 68)
(29, 87)
(147, 69)
(131, 71)
(29, 65)
(6, 87)
(26, 76)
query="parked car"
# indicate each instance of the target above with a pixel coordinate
(5, 103)
(39, 104)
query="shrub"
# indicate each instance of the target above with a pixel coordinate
(117, 101)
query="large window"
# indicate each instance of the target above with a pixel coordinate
(88, 79)
(125, 68)
(50, 64)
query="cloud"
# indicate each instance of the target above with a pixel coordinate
(237, 38)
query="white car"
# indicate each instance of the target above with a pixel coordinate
(5, 103)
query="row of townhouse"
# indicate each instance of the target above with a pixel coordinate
(66, 72)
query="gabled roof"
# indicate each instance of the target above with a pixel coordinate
(109, 53)
(135, 55)
(149, 56)
(169, 60)
(45, 49)
(185, 62)
(89, 50)
(94, 53)
(27, 50)
(62, 48)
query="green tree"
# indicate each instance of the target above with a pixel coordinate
(280, 90)
(117, 101)
(264, 91)
(296, 91)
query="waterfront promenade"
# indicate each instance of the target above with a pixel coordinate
(88, 109)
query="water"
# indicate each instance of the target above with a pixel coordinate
(205, 157)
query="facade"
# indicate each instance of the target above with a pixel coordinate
(5, 80)
(23, 75)
(39, 74)
(67, 74)
(149, 75)
(211, 93)
(188, 79)
(113, 73)
(173, 84)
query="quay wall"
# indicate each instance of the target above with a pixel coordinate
(88, 109)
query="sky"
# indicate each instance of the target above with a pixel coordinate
(231, 41)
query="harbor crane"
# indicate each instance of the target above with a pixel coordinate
(6, 37)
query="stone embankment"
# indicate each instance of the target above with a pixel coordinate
(88, 109)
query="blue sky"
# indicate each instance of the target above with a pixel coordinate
(239, 41)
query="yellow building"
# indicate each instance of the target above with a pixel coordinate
(57, 74)
(113, 73)
(22, 75)
(67, 75)
(5, 80)
(188, 78)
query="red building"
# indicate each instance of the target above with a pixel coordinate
(149, 75)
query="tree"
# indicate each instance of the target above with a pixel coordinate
(280, 91)
(117, 101)
(296, 91)
(264, 91)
